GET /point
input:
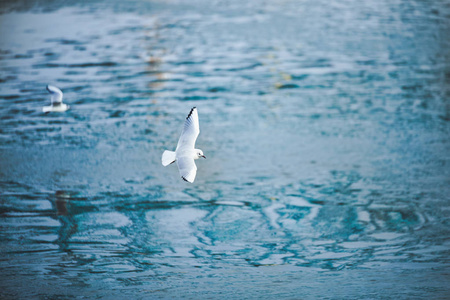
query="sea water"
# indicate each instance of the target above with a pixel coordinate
(326, 130)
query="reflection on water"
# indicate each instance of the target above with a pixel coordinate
(326, 127)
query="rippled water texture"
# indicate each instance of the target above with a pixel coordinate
(326, 126)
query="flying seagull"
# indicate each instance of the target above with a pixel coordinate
(56, 97)
(185, 153)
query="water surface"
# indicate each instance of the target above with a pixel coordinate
(326, 127)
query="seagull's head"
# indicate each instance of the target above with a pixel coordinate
(199, 153)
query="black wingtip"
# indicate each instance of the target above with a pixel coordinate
(184, 179)
(190, 113)
(48, 88)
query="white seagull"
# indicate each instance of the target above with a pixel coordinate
(56, 97)
(185, 153)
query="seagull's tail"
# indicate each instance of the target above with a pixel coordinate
(168, 158)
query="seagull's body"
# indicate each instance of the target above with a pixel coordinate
(56, 97)
(185, 153)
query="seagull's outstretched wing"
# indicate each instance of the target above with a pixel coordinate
(190, 132)
(56, 95)
(187, 168)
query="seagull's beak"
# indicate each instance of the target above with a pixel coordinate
(203, 156)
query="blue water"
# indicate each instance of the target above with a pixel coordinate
(326, 126)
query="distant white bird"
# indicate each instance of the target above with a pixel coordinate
(56, 97)
(185, 153)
